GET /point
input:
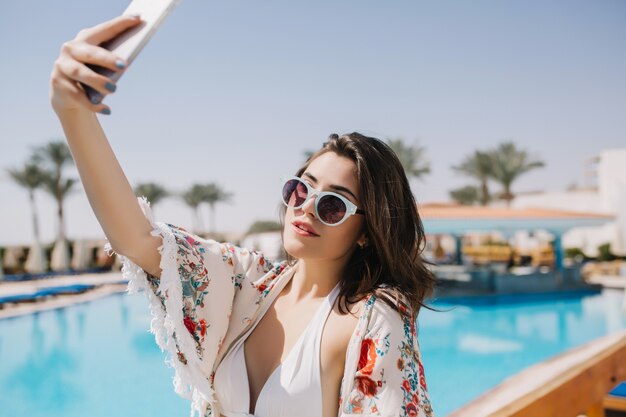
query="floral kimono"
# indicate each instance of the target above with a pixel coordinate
(208, 295)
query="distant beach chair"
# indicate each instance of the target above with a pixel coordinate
(65, 289)
(43, 293)
(19, 298)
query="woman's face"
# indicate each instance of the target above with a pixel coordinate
(327, 172)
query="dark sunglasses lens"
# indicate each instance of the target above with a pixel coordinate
(294, 193)
(331, 209)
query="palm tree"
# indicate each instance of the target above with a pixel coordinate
(57, 155)
(212, 195)
(467, 195)
(508, 163)
(193, 197)
(153, 192)
(478, 166)
(30, 177)
(412, 158)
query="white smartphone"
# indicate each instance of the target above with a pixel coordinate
(129, 43)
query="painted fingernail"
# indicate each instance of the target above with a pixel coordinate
(110, 87)
(120, 64)
(96, 99)
(105, 111)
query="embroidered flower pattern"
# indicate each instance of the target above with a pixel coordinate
(237, 280)
(379, 366)
(267, 284)
(228, 251)
(195, 279)
(366, 382)
(413, 374)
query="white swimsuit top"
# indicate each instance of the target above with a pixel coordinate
(292, 389)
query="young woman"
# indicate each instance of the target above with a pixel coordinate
(331, 331)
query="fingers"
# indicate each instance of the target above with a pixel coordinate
(75, 71)
(90, 54)
(78, 94)
(107, 30)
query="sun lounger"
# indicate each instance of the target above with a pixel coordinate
(51, 274)
(45, 292)
(65, 289)
(616, 399)
(19, 298)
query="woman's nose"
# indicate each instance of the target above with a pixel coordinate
(309, 206)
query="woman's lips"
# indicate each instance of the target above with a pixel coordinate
(302, 232)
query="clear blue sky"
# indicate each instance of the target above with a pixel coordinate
(234, 92)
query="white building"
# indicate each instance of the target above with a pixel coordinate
(606, 194)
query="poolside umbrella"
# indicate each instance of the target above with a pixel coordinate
(82, 255)
(60, 256)
(36, 261)
(12, 256)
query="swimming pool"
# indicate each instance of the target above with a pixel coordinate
(95, 359)
(99, 359)
(478, 344)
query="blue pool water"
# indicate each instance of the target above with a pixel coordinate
(95, 359)
(479, 344)
(99, 359)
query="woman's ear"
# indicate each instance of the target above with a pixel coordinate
(362, 241)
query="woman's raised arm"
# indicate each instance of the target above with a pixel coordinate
(110, 195)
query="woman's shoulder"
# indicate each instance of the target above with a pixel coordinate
(386, 375)
(387, 308)
(368, 315)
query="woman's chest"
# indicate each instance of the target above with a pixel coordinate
(304, 339)
(273, 342)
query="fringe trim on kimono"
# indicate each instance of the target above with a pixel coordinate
(167, 325)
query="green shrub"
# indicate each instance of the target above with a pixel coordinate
(605, 254)
(572, 253)
(261, 226)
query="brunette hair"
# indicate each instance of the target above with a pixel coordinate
(391, 264)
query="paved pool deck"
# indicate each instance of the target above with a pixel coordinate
(106, 283)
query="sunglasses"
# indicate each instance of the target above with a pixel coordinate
(331, 209)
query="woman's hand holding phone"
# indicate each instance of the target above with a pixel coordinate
(86, 66)
(70, 69)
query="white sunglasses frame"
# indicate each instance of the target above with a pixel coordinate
(351, 208)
